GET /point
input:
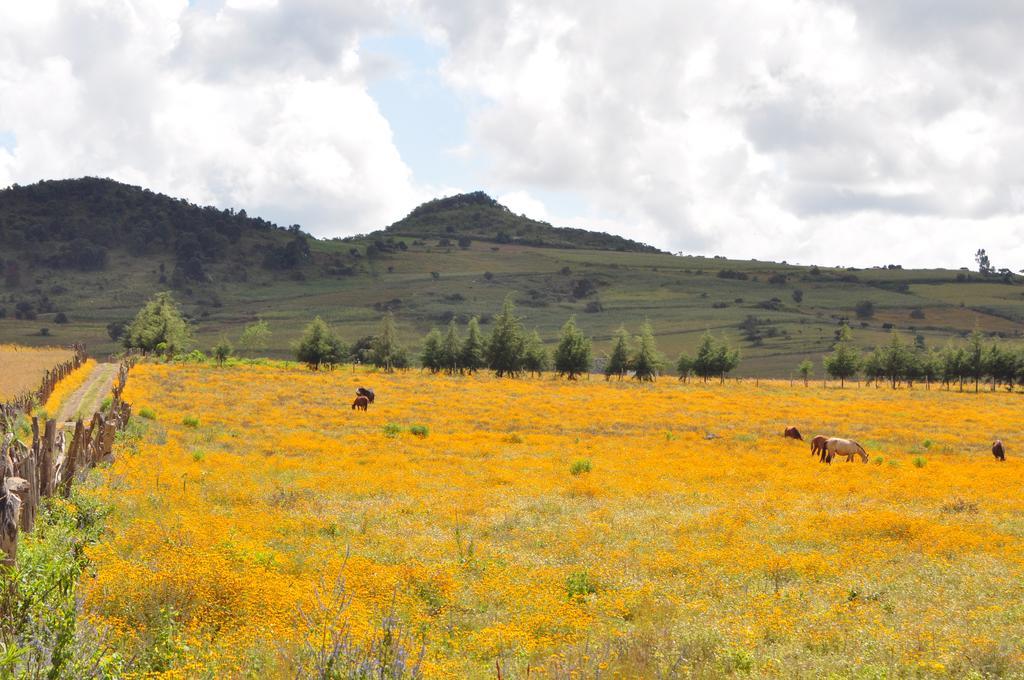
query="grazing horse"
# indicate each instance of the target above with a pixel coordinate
(818, 446)
(998, 450)
(844, 447)
(792, 433)
(364, 392)
(360, 403)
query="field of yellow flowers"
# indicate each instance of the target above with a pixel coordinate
(557, 529)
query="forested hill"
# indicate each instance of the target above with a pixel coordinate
(479, 217)
(75, 223)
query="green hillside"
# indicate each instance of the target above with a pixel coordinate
(777, 313)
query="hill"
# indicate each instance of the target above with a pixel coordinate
(478, 216)
(227, 269)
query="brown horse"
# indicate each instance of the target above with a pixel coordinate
(818, 446)
(998, 450)
(360, 403)
(792, 433)
(844, 447)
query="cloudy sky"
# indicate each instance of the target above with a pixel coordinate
(829, 131)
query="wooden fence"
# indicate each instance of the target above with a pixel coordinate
(52, 463)
(24, 403)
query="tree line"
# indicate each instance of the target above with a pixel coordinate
(898, 362)
(508, 350)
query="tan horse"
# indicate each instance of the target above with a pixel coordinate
(844, 447)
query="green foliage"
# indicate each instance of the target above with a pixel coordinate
(806, 369)
(255, 337)
(580, 466)
(159, 327)
(147, 413)
(421, 431)
(646, 360)
(430, 355)
(684, 366)
(386, 352)
(392, 430)
(618, 360)
(535, 355)
(41, 635)
(920, 461)
(450, 350)
(506, 347)
(845, 361)
(572, 354)
(579, 584)
(190, 421)
(222, 351)
(714, 358)
(319, 345)
(473, 350)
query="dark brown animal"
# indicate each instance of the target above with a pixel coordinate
(793, 433)
(818, 446)
(365, 392)
(998, 450)
(360, 403)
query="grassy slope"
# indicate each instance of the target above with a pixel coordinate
(676, 293)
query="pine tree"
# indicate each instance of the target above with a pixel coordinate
(618, 361)
(473, 349)
(506, 347)
(430, 355)
(572, 355)
(536, 358)
(845, 361)
(646, 361)
(684, 366)
(451, 349)
(386, 352)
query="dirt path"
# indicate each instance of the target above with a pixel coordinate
(86, 399)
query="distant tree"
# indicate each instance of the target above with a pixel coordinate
(974, 358)
(430, 356)
(319, 346)
(1002, 365)
(798, 296)
(618, 360)
(255, 337)
(714, 358)
(646, 360)
(222, 351)
(896, 360)
(60, 318)
(116, 329)
(984, 265)
(386, 351)
(12, 274)
(536, 359)
(159, 327)
(464, 242)
(806, 369)
(573, 353)
(506, 346)
(473, 350)
(845, 360)
(954, 365)
(684, 366)
(865, 309)
(450, 352)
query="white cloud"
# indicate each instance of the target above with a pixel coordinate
(758, 129)
(259, 106)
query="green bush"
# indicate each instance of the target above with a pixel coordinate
(392, 430)
(147, 413)
(190, 421)
(420, 431)
(579, 584)
(920, 461)
(580, 466)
